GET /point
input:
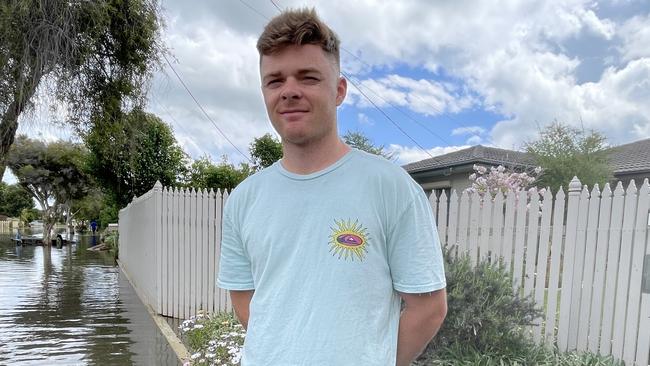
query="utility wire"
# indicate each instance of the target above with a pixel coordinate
(356, 86)
(386, 115)
(203, 110)
(435, 109)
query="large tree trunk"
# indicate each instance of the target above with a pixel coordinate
(9, 122)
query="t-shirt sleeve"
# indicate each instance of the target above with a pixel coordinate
(234, 263)
(414, 253)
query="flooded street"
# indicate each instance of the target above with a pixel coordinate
(70, 306)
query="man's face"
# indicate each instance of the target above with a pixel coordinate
(302, 88)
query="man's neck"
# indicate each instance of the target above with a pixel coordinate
(313, 157)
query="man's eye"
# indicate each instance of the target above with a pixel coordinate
(311, 79)
(274, 83)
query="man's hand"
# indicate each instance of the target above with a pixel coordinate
(422, 317)
(241, 301)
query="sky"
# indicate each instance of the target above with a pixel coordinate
(425, 77)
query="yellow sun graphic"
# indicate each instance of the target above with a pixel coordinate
(348, 240)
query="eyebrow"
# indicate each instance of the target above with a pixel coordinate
(300, 72)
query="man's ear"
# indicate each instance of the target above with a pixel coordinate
(341, 90)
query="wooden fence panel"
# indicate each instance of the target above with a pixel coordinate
(554, 274)
(496, 241)
(212, 244)
(508, 229)
(623, 283)
(636, 276)
(442, 219)
(597, 300)
(520, 241)
(611, 271)
(567, 264)
(164, 281)
(486, 225)
(543, 257)
(643, 340)
(463, 223)
(433, 202)
(577, 268)
(531, 244)
(452, 230)
(474, 224)
(588, 269)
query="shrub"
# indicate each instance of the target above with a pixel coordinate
(213, 339)
(484, 312)
(458, 354)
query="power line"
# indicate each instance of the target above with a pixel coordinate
(355, 85)
(387, 116)
(409, 116)
(203, 110)
(435, 109)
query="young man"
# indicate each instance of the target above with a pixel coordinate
(319, 249)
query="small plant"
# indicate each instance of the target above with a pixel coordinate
(111, 240)
(213, 339)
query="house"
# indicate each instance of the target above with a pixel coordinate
(451, 171)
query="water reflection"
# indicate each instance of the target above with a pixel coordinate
(72, 306)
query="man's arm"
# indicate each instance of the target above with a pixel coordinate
(241, 301)
(421, 318)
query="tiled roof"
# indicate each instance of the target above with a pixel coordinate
(631, 157)
(475, 154)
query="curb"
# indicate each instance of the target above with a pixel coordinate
(172, 339)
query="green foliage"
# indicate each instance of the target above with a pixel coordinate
(111, 240)
(90, 206)
(53, 173)
(265, 151)
(564, 152)
(97, 55)
(459, 354)
(28, 215)
(204, 174)
(360, 141)
(128, 156)
(214, 339)
(483, 310)
(14, 199)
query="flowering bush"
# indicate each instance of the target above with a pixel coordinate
(213, 339)
(498, 179)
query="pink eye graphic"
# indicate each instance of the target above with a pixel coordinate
(349, 240)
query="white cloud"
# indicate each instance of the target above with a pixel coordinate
(410, 154)
(426, 97)
(474, 140)
(468, 130)
(635, 33)
(365, 120)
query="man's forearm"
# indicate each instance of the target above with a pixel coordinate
(241, 304)
(416, 329)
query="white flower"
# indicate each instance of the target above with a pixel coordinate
(195, 356)
(538, 170)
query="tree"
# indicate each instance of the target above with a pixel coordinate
(93, 56)
(265, 151)
(360, 141)
(204, 174)
(564, 152)
(52, 173)
(13, 199)
(127, 157)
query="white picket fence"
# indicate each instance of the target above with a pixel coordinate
(580, 257)
(169, 246)
(585, 261)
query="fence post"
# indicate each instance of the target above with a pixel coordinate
(569, 256)
(157, 236)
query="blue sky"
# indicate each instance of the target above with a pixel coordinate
(470, 72)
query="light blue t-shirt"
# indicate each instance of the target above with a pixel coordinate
(325, 254)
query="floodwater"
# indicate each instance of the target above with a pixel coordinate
(71, 306)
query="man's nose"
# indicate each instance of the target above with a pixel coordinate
(291, 90)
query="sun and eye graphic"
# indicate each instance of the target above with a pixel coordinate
(348, 240)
